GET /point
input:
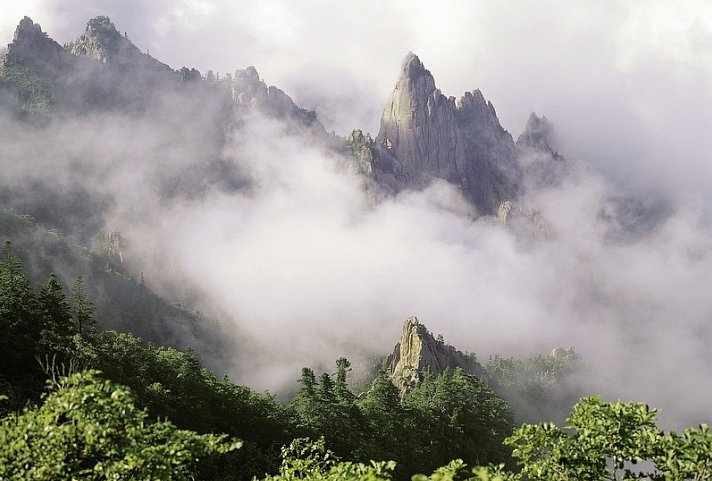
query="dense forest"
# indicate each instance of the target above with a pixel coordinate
(83, 403)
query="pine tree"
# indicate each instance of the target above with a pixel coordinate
(343, 366)
(57, 322)
(20, 376)
(82, 308)
(326, 389)
(308, 382)
(17, 301)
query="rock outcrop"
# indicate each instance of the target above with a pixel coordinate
(541, 163)
(32, 47)
(419, 351)
(427, 135)
(524, 219)
(101, 41)
(251, 93)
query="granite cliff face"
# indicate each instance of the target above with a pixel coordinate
(426, 135)
(418, 350)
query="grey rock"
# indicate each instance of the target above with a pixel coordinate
(32, 47)
(426, 135)
(541, 163)
(524, 219)
(250, 93)
(419, 351)
(101, 41)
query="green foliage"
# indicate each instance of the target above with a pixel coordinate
(89, 428)
(34, 92)
(173, 384)
(453, 414)
(82, 308)
(121, 302)
(464, 417)
(540, 388)
(56, 316)
(605, 441)
(311, 461)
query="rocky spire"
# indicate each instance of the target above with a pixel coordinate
(418, 350)
(538, 134)
(31, 46)
(541, 163)
(428, 135)
(418, 127)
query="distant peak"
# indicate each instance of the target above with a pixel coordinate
(539, 134)
(412, 66)
(104, 32)
(101, 24)
(538, 126)
(102, 41)
(27, 28)
(249, 74)
(536, 123)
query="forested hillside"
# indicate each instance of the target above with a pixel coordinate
(131, 408)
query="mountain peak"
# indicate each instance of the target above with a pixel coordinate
(27, 29)
(418, 351)
(31, 45)
(412, 66)
(102, 25)
(538, 134)
(102, 41)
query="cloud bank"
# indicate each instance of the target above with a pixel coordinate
(302, 263)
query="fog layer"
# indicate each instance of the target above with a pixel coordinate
(301, 263)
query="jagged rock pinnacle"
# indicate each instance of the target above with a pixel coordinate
(418, 350)
(27, 29)
(538, 134)
(412, 66)
(31, 46)
(426, 135)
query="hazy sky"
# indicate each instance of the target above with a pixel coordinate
(612, 75)
(304, 261)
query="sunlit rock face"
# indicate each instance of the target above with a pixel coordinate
(427, 135)
(419, 351)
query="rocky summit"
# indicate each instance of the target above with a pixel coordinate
(419, 351)
(427, 135)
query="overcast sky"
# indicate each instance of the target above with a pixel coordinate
(621, 80)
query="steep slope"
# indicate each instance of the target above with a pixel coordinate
(123, 302)
(427, 135)
(418, 351)
(98, 72)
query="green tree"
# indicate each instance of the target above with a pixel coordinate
(343, 366)
(462, 418)
(56, 317)
(311, 461)
(20, 376)
(82, 308)
(89, 428)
